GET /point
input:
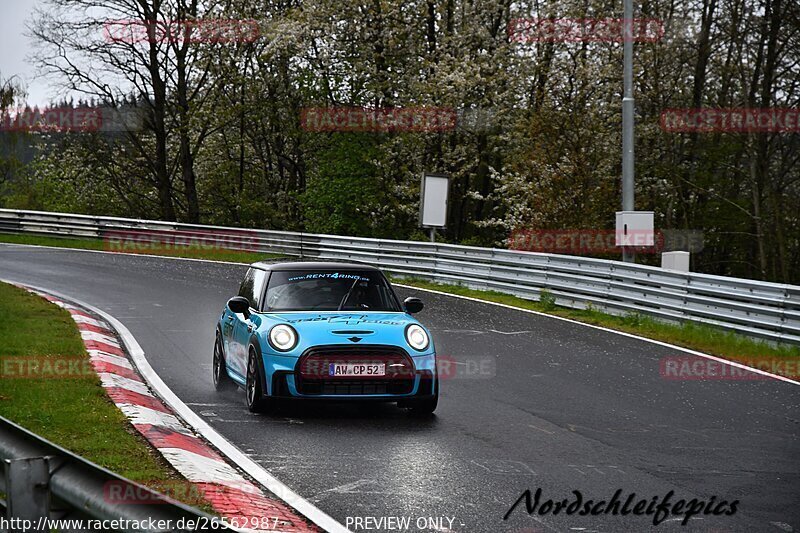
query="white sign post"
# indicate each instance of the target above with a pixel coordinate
(433, 202)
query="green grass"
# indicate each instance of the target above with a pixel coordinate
(189, 251)
(707, 339)
(74, 411)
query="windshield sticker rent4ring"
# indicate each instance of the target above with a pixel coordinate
(328, 275)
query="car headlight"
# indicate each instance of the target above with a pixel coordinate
(416, 337)
(283, 337)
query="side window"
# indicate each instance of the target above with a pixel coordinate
(258, 288)
(252, 286)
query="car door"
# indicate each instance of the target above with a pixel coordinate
(228, 325)
(252, 288)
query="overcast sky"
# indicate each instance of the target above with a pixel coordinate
(15, 49)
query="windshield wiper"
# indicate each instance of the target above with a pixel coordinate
(347, 295)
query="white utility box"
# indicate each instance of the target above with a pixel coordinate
(675, 261)
(635, 228)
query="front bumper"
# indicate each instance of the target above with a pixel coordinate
(290, 377)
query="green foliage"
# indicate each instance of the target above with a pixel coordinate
(419, 236)
(484, 241)
(75, 173)
(343, 195)
(547, 300)
(634, 319)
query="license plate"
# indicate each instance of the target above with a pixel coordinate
(356, 369)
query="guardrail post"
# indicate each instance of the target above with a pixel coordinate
(27, 491)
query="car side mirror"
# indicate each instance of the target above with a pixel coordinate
(413, 305)
(239, 305)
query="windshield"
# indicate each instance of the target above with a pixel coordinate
(329, 290)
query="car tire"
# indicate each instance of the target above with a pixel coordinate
(222, 380)
(254, 390)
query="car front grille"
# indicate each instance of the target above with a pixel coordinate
(312, 377)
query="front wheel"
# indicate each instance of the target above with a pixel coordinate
(219, 373)
(254, 391)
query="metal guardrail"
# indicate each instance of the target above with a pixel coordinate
(43, 481)
(754, 308)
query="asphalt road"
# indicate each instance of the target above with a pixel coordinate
(547, 404)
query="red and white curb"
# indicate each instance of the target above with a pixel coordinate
(232, 495)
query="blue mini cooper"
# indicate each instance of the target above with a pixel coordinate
(333, 331)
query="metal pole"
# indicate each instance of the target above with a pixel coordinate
(433, 234)
(627, 119)
(27, 486)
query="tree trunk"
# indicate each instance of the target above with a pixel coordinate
(159, 110)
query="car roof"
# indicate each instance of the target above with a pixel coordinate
(314, 265)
